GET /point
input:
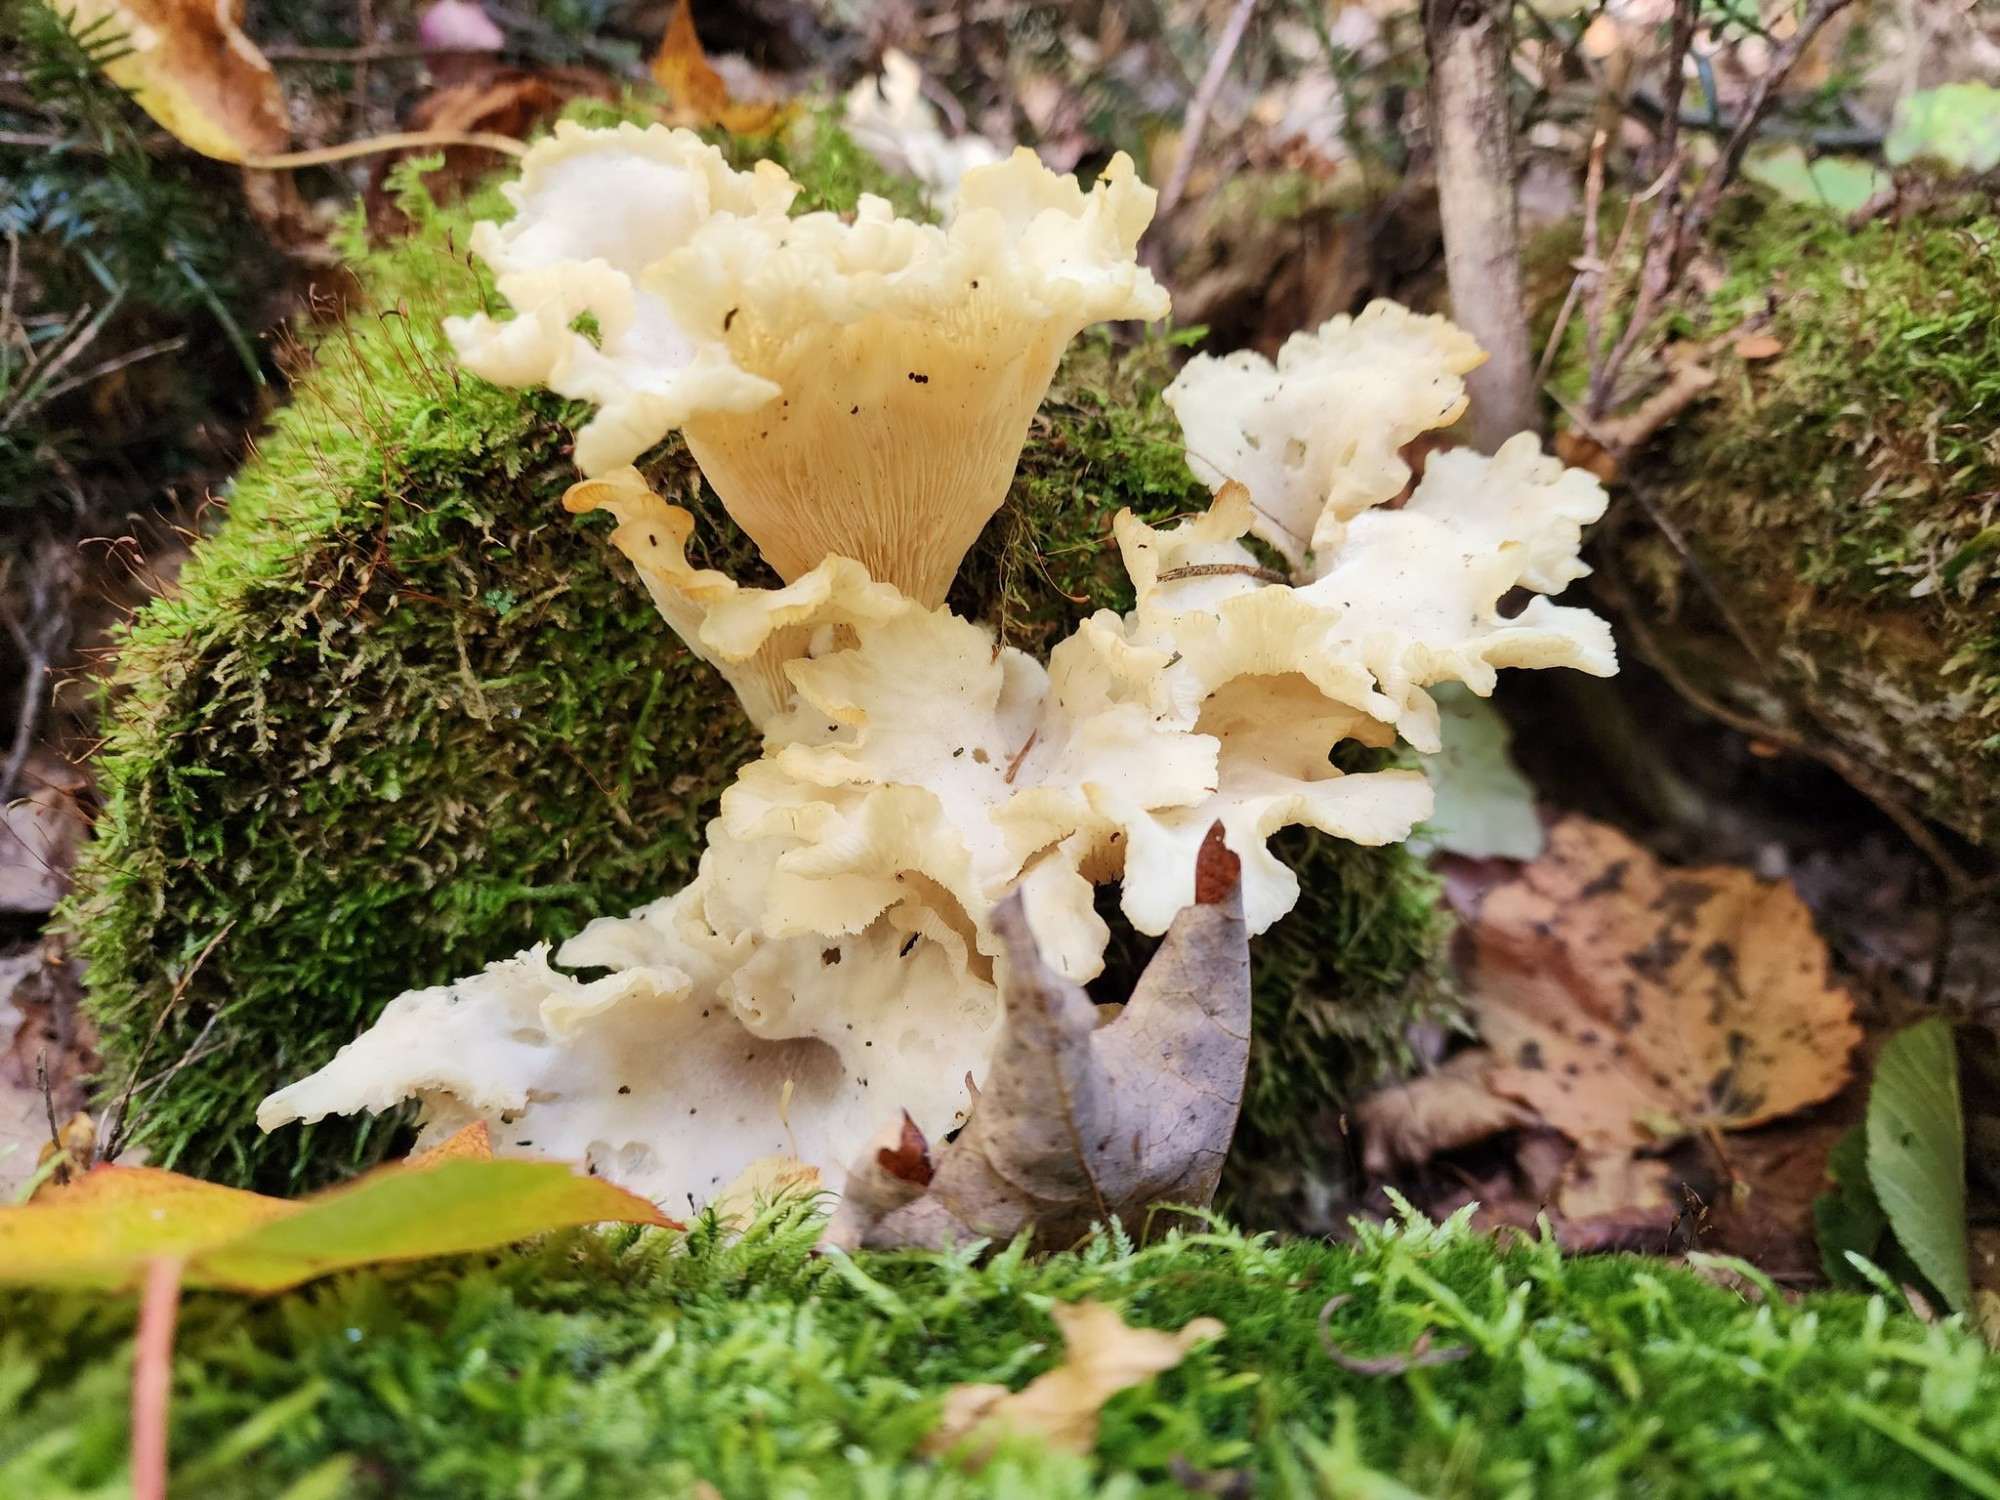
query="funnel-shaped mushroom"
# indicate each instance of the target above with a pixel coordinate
(852, 389)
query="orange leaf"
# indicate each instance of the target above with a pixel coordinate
(474, 1143)
(449, 1201)
(189, 65)
(1758, 346)
(684, 71)
(699, 93)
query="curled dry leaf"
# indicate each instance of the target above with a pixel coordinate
(1080, 1123)
(1628, 1005)
(1102, 1356)
(189, 65)
(1407, 1124)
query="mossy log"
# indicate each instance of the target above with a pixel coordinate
(1816, 554)
(403, 716)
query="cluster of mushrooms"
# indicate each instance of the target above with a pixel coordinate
(858, 390)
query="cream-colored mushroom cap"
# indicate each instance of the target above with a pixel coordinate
(851, 387)
(910, 359)
(1316, 437)
(593, 209)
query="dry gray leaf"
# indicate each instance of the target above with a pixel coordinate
(1082, 1123)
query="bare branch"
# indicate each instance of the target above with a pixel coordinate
(1204, 102)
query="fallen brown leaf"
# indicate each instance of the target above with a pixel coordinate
(1080, 1123)
(699, 94)
(1102, 1356)
(487, 98)
(1407, 1124)
(1628, 1006)
(188, 64)
(1758, 346)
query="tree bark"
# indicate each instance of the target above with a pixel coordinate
(1469, 45)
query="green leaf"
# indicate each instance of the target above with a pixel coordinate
(1982, 545)
(1956, 127)
(1485, 806)
(1916, 1155)
(1841, 184)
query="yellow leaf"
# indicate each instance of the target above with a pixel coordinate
(698, 91)
(1102, 1356)
(102, 1231)
(188, 64)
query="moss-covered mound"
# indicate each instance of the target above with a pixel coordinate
(404, 717)
(1840, 500)
(649, 1366)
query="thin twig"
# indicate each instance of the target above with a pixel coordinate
(1676, 226)
(112, 366)
(1204, 101)
(1723, 171)
(114, 1136)
(41, 639)
(1661, 256)
(380, 52)
(396, 140)
(1864, 779)
(1421, 1353)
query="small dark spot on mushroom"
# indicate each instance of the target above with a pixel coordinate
(1513, 602)
(982, 757)
(975, 283)
(919, 379)
(958, 752)
(1531, 1055)
(729, 317)
(652, 540)
(524, 1143)
(908, 944)
(829, 956)
(624, 1088)
(854, 411)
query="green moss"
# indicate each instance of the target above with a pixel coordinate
(402, 718)
(640, 1365)
(1840, 496)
